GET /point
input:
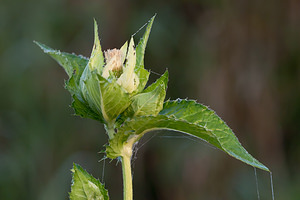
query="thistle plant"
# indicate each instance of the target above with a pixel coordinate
(109, 87)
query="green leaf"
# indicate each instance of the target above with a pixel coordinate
(140, 49)
(143, 78)
(96, 61)
(140, 52)
(114, 99)
(201, 115)
(163, 80)
(138, 126)
(191, 118)
(83, 110)
(95, 65)
(106, 97)
(75, 67)
(150, 101)
(86, 187)
(90, 88)
(72, 64)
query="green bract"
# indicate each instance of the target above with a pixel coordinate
(110, 88)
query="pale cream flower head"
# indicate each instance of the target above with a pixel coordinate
(125, 75)
(114, 61)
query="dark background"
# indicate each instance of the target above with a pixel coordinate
(242, 58)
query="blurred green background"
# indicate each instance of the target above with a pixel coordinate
(242, 58)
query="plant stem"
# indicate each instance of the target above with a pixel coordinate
(127, 177)
(110, 130)
(126, 168)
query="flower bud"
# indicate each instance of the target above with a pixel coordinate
(114, 62)
(126, 77)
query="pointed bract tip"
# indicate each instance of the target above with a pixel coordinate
(95, 22)
(154, 16)
(96, 35)
(131, 43)
(38, 44)
(44, 47)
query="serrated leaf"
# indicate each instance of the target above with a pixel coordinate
(201, 115)
(72, 64)
(143, 124)
(191, 118)
(86, 187)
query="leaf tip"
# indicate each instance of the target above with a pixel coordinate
(152, 18)
(263, 167)
(95, 25)
(42, 46)
(36, 42)
(96, 34)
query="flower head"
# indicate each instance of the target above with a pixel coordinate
(115, 58)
